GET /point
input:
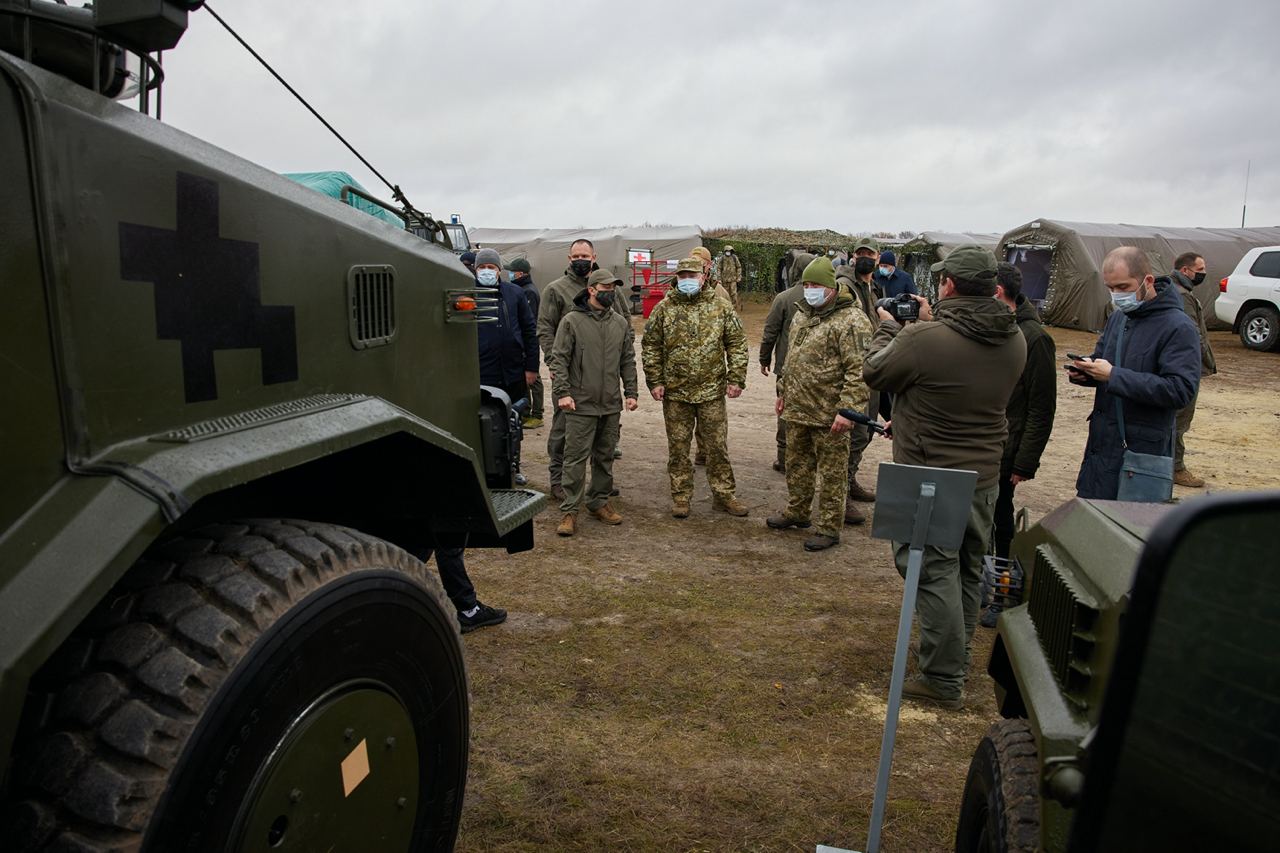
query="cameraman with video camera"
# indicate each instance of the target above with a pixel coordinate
(951, 374)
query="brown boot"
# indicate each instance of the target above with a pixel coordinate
(557, 492)
(733, 506)
(1186, 478)
(699, 458)
(780, 466)
(568, 524)
(607, 515)
(679, 509)
(857, 493)
(853, 515)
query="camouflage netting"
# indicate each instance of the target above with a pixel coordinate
(761, 250)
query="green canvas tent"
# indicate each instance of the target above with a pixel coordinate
(1061, 262)
(928, 247)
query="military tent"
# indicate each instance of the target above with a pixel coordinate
(1061, 262)
(547, 249)
(928, 247)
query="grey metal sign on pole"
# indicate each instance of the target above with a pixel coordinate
(919, 506)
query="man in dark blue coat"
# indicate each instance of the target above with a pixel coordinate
(509, 347)
(1158, 372)
(891, 280)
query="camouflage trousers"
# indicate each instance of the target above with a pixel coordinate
(711, 422)
(950, 596)
(860, 437)
(731, 288)
(816, 453)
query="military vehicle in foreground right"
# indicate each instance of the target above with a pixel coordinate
(1139, 684)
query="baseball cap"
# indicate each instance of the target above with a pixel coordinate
(602, 276)
(689, 265)
(969, 262)
(519, 265)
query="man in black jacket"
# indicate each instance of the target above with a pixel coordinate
(1158, 372)
(1189, 271)
(509, 347)
(522, 277)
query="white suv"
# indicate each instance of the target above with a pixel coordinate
(1250, 299)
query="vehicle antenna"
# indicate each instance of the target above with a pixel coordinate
(1244, 209)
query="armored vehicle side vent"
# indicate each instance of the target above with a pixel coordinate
(257, 417)
(371, 297)
(1064, 615)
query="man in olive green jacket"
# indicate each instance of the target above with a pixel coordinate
(1188, 271)
(859, 279)
(694, 354)
(593, 353)
(773, 344)
(951, 374)
(823, 373)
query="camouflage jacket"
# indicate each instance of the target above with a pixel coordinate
(687, 342)
(825, 349)
(730, 269)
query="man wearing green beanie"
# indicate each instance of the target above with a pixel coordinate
(825, 345)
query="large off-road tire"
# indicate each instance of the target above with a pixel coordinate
(1260, 329)
(266, 685)
(1000, 809)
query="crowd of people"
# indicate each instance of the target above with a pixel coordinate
(968, 382)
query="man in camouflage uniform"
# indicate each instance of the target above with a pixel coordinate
(688, 339)
(731, 275)
(773, 344)
(825, 348)
(703, 254)
(858, 279)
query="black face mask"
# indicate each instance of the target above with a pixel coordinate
(581, 267)
(1199, 277)
(863, 266)
(605, 298)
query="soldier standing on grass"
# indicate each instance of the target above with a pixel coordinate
(593, 353)
(689, 338)
(825, 347)
(773, 343)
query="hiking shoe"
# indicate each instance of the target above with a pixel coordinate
(1186, 478)
(782, 521)
(920, 690)
(699, 458)
(568, 524)
(531, 423)
(521, 479)
(857, 493)
(733, 506)
(679, 509)
(853, 515)
(556, 492)
(989, 616)
(780, 466)
(607, 515)
(481, 616)
(614, 492)
(820, 542)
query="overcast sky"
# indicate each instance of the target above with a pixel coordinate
(855, 116)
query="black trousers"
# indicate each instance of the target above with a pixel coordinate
(453, 574)
(1003, 536)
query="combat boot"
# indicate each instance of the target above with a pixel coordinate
(853, 515)
(607, 515)
(568, 524)
(679, 508)
(557, 492)
(780, 464)
(820, 542)
(857, 493)
(731, 505)
(782, 521)
(919, 689)
(1186, 478)
(699, 458)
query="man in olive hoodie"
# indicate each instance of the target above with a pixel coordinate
(773, 344)
(951, 375)
(592, 354)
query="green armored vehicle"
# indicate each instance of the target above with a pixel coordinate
(1139, 682)
(236, 417)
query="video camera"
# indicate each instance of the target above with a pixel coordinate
(904, 308)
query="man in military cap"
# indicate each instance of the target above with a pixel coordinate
(731, 275)
(823, 374)
(951, 374)
(694, 355)
(703, 254)
(859, 279)
(773, 343)
(592, 355)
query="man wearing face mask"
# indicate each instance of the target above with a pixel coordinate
(703, 254)
(694, 355)
(773, 344)
(858, 278)
(1159, 371)
(823, 374)
(951, 375)
(1189, 271)
(731, 275)
(522, 277)
(891, 280)
(557, 301)
(509, 347)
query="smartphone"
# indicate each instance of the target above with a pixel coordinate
(1075, 357)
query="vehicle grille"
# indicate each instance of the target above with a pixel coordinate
(1064, 615)
(372, 297)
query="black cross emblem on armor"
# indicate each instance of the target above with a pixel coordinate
(207, 291)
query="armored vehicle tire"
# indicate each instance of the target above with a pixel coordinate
(266, 685)
(1000, 809)
(1260, 329)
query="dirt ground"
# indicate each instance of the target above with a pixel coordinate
(705, 684)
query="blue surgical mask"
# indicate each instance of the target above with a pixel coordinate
(815, 296)
(488, 278)
(1125, 302)
(688, 286)
(886, 272)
